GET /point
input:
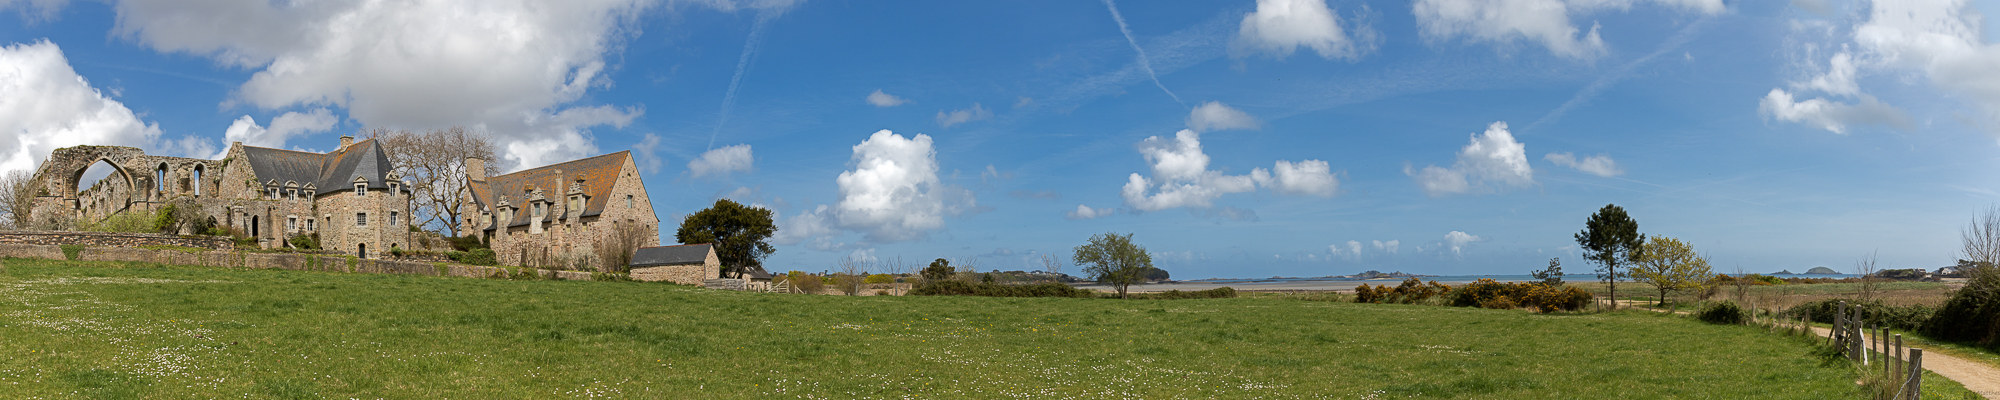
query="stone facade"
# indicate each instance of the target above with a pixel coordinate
(681, 274)
(558, 215)
(348, 196)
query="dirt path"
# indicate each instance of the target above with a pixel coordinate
(1977, 377)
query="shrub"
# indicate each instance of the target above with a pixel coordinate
(1908, 318)
(1411, 291)
(465, 243)
(1971, 315)
(1488, 293)
(480, 256)
(1216, 293)
(962, 288)
(70, 251)
(306, 241)
(806, 282)
(879, 278)
(1724, 312)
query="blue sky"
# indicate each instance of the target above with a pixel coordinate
(1235, 139)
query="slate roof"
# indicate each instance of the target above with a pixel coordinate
(671, 255)
(598, 173)
(329, 173)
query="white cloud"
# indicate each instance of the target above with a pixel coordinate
(1352, 249)
(647, 153)
(1600, 165)
(891, 195)
(1456, 241)
(514, 69)
(880, 99)
(1389, 246)
(722, 161)
(1308, 178)
(45, 105)
(1181, 176)
(282, 129)
(1493, 156)
(1214, 116)
(1938, 41)
(1832, 116)
(1083, 212)
(1547, 22)
(975, 113)
(1279, 27)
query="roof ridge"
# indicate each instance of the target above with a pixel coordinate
(621, 152)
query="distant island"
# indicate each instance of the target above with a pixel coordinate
(1821, 271)
(1783, 272)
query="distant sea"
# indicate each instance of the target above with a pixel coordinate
(1471, 278)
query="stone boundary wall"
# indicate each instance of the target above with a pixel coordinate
(115, 239)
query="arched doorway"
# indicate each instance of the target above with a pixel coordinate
(253, 226)
(361, 250)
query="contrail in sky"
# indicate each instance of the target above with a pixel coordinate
(1605, 81)
(1144, 63)
(742, 65)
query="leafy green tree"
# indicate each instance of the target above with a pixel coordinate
(1611, 239)
(1670, 264)
(1113, 259)
(1156, 274)
(739, 233)
(1553, 275)
(938, 271)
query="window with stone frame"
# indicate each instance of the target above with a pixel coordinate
(361, 219)
(274, 193)
(293, 193)
(360, 189)
(628, 201)
(291, 224)
(393, 218)
(309, 225)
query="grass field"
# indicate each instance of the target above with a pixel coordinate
(116, 330)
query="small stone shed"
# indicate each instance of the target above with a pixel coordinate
(686, 264)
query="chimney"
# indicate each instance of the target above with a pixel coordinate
(475, 168)
(346, 140)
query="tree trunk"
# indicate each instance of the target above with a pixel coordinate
(1121, 291)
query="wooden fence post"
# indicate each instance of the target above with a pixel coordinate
(1916, 374)
(1896, 360)
(1839, 319)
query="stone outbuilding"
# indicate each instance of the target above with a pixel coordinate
(687, 264)
(562, 216)
(349, 196)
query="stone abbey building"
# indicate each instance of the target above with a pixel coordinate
(559, 215)
(350, 196)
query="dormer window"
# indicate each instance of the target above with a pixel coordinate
(293, 193)
(392, 188)
(538, 209)
(576, 204)
(274, 194)
(360, 189)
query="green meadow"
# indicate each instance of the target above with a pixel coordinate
(126, 330)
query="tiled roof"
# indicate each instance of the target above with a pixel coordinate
(329, 172)
(671, 255)
(598, 173)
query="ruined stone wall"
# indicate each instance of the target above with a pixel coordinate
(140, 182)
(113, 239)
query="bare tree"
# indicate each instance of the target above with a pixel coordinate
(17, 199)
(1866, 268)
(1981, 242)
(433, 163)
(1053, 266)
(853, 269)
(614, 251)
